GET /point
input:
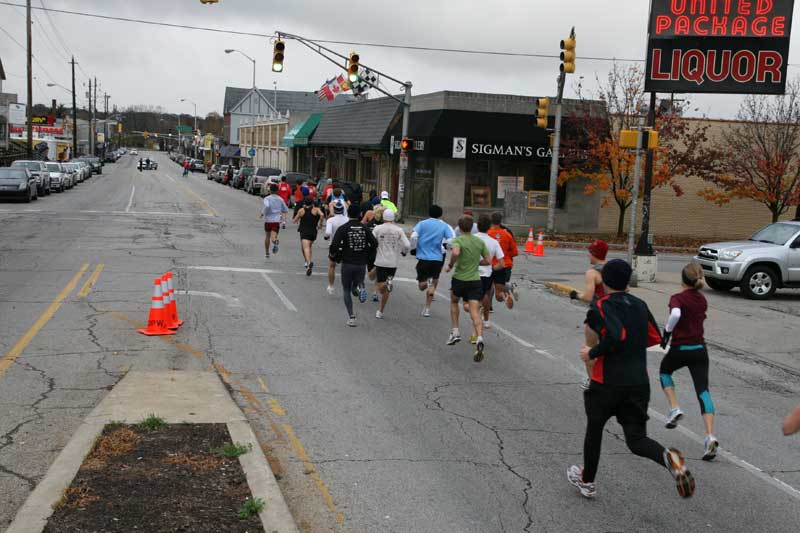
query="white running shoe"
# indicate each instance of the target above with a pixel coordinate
(426, 313)
(351, 321)
(575, 477)
(331, 290)
(378, 315)
(711, 445)
(454, 338)
(487, 324)
(673, 417)
(676, 464)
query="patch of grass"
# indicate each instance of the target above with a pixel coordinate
(151, 423)
(201, 462)
(251, 506)
(77, 498)
(233, 450)
(118, 442)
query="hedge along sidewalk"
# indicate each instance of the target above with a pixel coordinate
(177, 397)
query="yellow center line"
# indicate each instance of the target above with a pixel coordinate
(16, 350)
(276, 408)
(84, 292)
(210, 210)
(263, 385)
(301, 453)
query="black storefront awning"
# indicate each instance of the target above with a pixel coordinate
(457, 134)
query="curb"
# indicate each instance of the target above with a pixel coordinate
(178, 397)
(561, 289)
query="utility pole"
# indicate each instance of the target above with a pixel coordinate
(74, 114)
(401, 176)
(91, 124)
(30, 83)
(637, 173)
(94, 118)
(106, 96)
(645, 247)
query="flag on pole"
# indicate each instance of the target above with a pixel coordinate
(325, 93)
(333, 87)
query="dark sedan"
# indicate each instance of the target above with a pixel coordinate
(18, 183)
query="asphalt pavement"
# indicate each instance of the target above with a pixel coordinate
(378, 428)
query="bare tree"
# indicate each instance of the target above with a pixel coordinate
(759, 156)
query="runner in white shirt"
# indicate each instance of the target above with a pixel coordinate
(331, 225)
(392, 243)
(495, 252)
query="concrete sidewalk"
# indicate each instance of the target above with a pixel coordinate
(177, 397)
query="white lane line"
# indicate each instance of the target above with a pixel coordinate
(289, 305)
(230, 301)
(95, 212)
(235, 269)
(754, 470)
(130, 200)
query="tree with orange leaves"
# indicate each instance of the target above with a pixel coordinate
(591, 142)
(758, 157)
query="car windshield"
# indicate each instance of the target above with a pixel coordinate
(268, 172)
(779, 233)
(33, 165)
(53, 167)
(11, 174)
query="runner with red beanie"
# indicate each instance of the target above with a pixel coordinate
(598, 251)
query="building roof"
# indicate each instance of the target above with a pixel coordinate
(362, 124)
(286, 100)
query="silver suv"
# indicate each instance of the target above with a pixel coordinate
(767, 261)
(39, 171)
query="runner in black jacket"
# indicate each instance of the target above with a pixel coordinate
(355, 246)
(620, 386)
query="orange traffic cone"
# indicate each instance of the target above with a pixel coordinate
(156, 322)
(529, 243)
(539, 251)
(172, 309)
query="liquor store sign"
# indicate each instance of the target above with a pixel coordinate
(718, 46)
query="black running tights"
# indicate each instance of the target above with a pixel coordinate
(352, 276)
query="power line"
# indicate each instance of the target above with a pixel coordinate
(44, 70)
(56, 30)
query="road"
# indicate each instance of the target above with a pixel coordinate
(377, 428)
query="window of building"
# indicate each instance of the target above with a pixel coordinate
(350, 170)
(481, 181)
(370, 170)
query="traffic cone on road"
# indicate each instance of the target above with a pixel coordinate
(157, 321)
(172, 309)
(529, 249)
(539, 250)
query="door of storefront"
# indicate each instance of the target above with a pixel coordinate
(420, 187)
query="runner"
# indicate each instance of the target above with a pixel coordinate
(385, 202)
(337, 196)
(620, 386)
(331, 226)
(791, 424)
(273, 210)
(185, 167)
(310, 218)
(467, 253)
(285, 192)
(486, 271)
(497, 219)
(688, 349)
(500, 276)
(368, 218)
(392, 243)
(326, 191)
(429, 235)
(352, 244)
(598, 251)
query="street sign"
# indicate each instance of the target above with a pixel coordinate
(708, 46)
(184, 128)
(251, 152)
(403, 161)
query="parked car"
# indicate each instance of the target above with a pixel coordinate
(18, 182)
(39, 171)
(767, 261)
(87, 168)
(212, 171)
(147, 164)
(97, 165)
(59, 180)
(240, 178)
(71, 172)
(134, 152)
(197, 165)
(219, 177)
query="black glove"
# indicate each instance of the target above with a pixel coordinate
(573, 295)
(414, 252)
(665, 337)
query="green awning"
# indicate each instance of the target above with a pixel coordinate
(307, 130)
(288, 139)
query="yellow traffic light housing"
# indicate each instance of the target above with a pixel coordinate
(542, 112)
(352, 67)
(277, 55)
(568, 54)
(407, 144)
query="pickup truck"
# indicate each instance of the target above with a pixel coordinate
(767, 261)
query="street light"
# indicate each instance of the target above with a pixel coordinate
(74, 117)
(231, 50)
(195, 120)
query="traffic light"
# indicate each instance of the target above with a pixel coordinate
(407, 144)
(352, 68)
(542, 112)
(145, 135)
(277, 55)
(568, 54)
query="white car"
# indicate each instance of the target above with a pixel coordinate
(59, 179)
(134, 152)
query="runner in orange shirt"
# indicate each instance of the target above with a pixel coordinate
(510, 251)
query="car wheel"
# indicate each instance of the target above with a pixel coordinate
(719, 285)
(759, 283)
(29, 198)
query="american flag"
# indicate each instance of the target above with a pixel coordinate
(332, 87)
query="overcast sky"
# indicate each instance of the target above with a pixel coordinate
(141, 64)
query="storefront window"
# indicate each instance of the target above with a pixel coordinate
(370, 168)
(477, 185)
(420, 185)
(484, 178)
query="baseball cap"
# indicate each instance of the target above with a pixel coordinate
(384, 195)
(389, 215)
